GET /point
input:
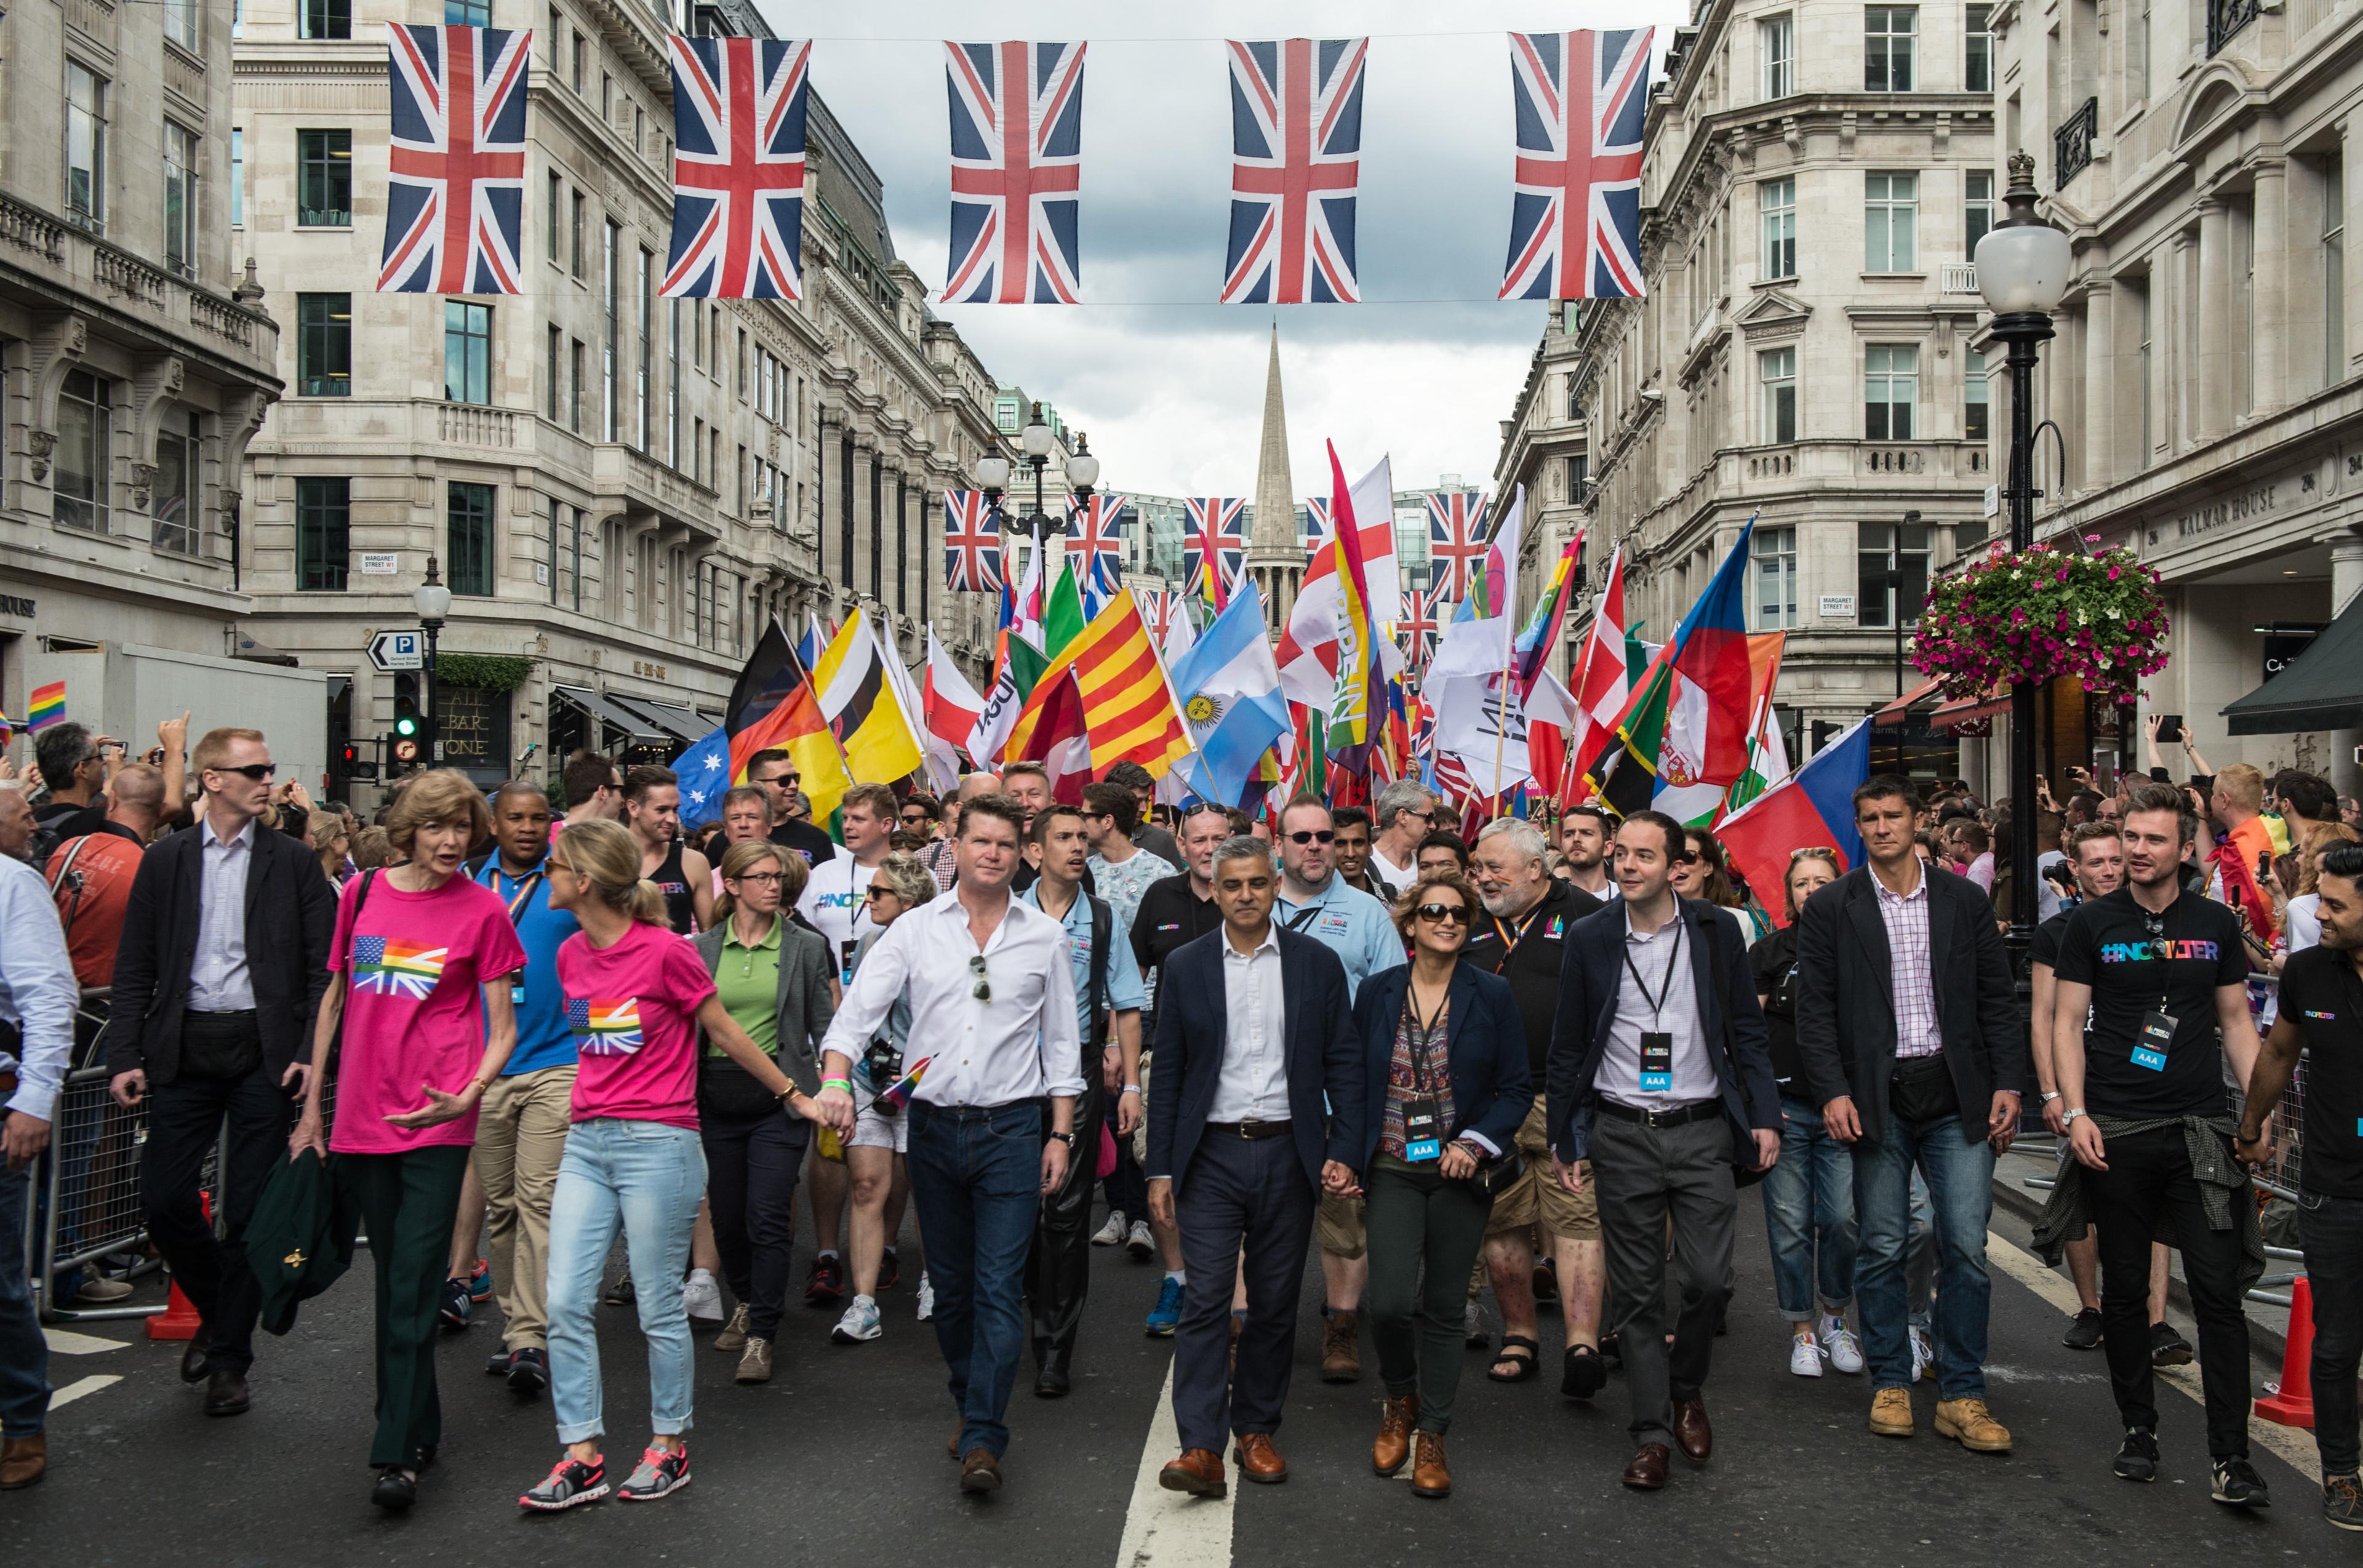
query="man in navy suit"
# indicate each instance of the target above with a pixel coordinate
(1254, 1043)
(1660, 1075)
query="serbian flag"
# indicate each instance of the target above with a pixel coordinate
(1812, 807)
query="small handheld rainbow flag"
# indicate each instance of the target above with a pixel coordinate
(48, 707)
(7, 731)
(899, 1094)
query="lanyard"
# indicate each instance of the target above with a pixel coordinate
(1666, 987)
(1423, 1036)
(2162, 944)
(1302, 918)
(523, 896)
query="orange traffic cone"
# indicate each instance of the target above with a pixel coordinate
(179, 1320)
(2293, 1403)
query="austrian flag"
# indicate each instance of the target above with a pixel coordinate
(1018, 154)
(739, 167)
(455, 172)
(1575, 221)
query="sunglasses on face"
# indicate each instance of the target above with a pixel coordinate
(983, 989)
(1443, 914)
(1312, 836)
(260, 773)
(1687, 857)
(875, 893)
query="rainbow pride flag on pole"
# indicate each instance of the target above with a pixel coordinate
(898, 1093)
(47, 705)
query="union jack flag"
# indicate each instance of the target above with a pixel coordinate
(971, 543)
(1296, 148)
(738, 168)
(1455, 541)
(396, 968)
(1095, 545)
(1417, 626)
(1217, 531)
(1018, 146)
(1159, 610)
(1316, 523)
(455, 173)
(1575, 221)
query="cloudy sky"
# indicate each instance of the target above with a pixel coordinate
(1168, 384)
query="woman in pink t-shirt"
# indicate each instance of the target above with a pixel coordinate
(636, 994)
(418, 989)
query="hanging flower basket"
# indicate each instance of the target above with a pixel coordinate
(2048, 613)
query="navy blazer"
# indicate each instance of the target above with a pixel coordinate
(1324, 1055)
(1485, 1056)
(1591, 974)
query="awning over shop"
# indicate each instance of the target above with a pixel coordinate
(1969, 710)
(2321, 688)
(1896, 711)
(679, 723)
(639, 731)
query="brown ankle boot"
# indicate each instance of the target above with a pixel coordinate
(1396, 1418)
(23, 1461)
(1341, 1348)
(1430, 1478)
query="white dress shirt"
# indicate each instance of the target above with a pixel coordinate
(1254, 1082)
(37, 989)
(218, 982)
(1663, 960)
(1020, 1045)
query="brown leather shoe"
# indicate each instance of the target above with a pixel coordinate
(1430, 1478)
(1198, 1472)
(951, 1443)
(1341, 1348)
(1257, 1460)
(1691, 1434)
(23, 1461)
(980, 1472)
(1647, 1471)
(1396, 1419)
(227, 1394)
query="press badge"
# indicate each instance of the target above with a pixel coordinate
(1422, 1136)
(2150, 1045)
(1657, 1062)
(516, 995)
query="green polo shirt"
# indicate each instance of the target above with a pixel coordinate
(748, 981)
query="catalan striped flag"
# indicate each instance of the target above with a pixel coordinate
(1129, 709)
(47, 705)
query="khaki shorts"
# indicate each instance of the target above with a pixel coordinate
(1536, 1197)
(1339, 1228)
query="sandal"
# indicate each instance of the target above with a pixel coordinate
(1523, 1366)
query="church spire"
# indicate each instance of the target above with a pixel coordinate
(1275, 552)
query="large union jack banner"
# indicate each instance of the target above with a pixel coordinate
(455, 176)
(1575, 221)
(1018, 146)
(1417, 627)
(1217, 531)
(1095, 545)
(1456, 540)
(1296, 146)
(971, 543)
(738, 168)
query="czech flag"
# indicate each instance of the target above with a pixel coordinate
(1812, 807)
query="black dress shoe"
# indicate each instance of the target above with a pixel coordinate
(425, 1456)
(1052, 1383)
(395, 1492)
(225, 1394)
(192, 1360)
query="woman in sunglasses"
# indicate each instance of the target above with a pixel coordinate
(772, 978)
(1445, 1059)
(1702, 872)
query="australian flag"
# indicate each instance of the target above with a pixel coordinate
(1017, 156)
(739, 167)
(1575, 221)
(1297, 166)
(455, 173)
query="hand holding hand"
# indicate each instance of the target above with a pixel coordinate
(1337, 1179)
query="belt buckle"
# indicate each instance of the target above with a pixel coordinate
(1247, 1131)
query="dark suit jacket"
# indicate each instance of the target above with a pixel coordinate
(290, 916)
(1485, 1057)
(1324, 1055)
(1846, 1010)
(1591, 974)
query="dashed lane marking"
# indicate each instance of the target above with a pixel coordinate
(65, 1343)
(1172, 1529)
(73, 1391)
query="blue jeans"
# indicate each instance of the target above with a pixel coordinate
(1809, 1216)
(646, 1178)
(1960, 1194)
(24, 1353)
(976, 1180)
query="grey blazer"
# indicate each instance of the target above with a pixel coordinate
(804, 1007)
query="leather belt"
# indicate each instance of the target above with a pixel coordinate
(1251, 1129)
(1681, 1115)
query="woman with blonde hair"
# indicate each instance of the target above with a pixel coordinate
(419, 992)
(635, 997)
(330, 840)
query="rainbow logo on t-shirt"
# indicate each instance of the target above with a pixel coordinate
(396, 968)
(604, 1026)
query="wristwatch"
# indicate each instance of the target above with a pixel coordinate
(2071, 1115)
(2049, 1095)
(1066, 1137)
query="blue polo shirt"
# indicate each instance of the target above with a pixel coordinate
(1349, 923)
(543, 1039)
(1125, 992)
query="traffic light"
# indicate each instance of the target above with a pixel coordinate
(1824, 732)
(406, 705)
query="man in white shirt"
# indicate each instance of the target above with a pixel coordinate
(1405, 811)
(992, 1008)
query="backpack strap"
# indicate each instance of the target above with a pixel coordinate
(1103, 933)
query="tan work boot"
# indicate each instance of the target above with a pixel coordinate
(1430, 1478)
(1970, 1424)
(734, 1333)
(1341, 1348)
(24, 1461)
(755, 1366)
(1396, 1418)
(1891, 1413)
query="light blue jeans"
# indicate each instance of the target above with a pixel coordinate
(645, 1177)
(1959, 1176)
(1809, 1216)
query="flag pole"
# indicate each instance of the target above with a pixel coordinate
(1509, 665)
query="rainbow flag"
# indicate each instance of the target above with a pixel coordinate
(398, 968)
(898, 1093)
(48, 705)
(604, 1026)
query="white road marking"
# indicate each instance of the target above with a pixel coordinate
(73, 1391)
(2294, 1444)
(1172, 1529)
(65, 1343)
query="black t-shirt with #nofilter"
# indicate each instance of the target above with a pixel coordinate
(2140, 964)
(2321, 994)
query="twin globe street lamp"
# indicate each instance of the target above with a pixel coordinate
(432, 600)
(1081, 470)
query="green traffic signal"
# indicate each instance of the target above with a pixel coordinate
(405, 705)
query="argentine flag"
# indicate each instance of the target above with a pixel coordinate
(1229, 686)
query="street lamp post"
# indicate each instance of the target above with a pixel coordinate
(432, 602)
(2023, 265)
(1082, 470)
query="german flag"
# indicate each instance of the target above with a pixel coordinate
(1128, 710)
(773, 704)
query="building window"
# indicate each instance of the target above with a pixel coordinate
(84, 448)
(468, 537)
(173, 508)
(1891, 386)
(557, 59)
(1776, 39)
(184, 23)
(1776, 200)
(85, 147)
(324, 179)
(579, 209)
(324, 19)
(323, 533)
(324, 345)
(2142, 355)
(1881, 549)
(467, 352)
(2333, 270)
(1974, 424)
(1889, 43)
(1777, 369)
(647, 319)
(467, 13)
(608, 410)
(579, 50)
(237, 177)
(1977, 67)
(557, 207)
(554, 355)
(1977, 206)
(1578, 474)
(742, 364)
(1891, 212)
(2139, 46)
(1776, 578)
(574, 387)
(182, 161)
(673, 386)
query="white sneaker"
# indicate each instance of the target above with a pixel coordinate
(1923, 1355)
(859, 1323)
(927, 1298)
(1111, 1233)
(1141, 1242)
(1840, 1345)
(1804, 1354)
(701, 1297)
